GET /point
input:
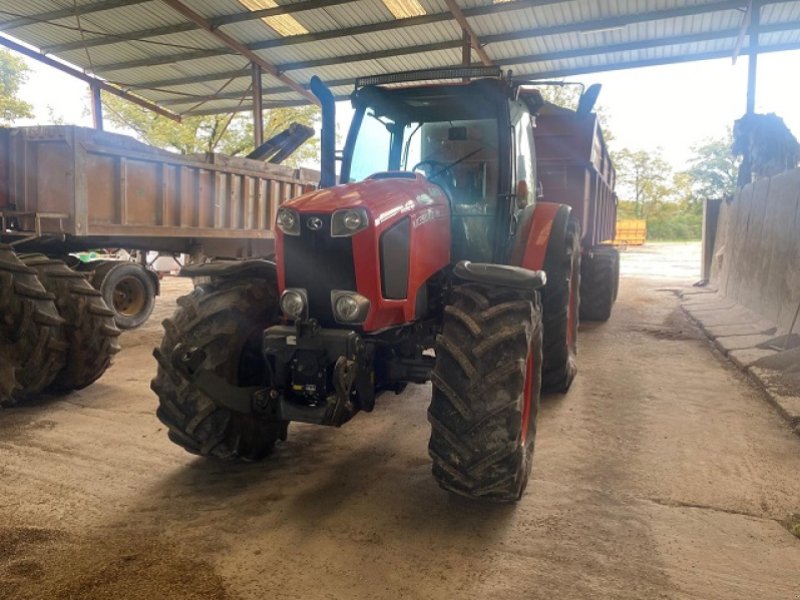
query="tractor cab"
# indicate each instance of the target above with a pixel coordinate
(474, 140)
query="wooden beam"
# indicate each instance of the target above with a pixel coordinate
(99, 83)
(458, 15)
(229, 41)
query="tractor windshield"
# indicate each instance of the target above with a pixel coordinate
(452, 138)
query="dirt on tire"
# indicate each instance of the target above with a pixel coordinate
(481, 444)
(561, 303)
(221, 322)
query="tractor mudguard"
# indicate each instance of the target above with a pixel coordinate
(541, 235)
(255, 267)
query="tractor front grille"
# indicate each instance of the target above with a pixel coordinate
(319, 263)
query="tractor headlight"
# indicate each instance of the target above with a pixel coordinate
(294, 302)
(348, 221)
(349, 307)
(288, 221)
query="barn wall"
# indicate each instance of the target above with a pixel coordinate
(757, 249)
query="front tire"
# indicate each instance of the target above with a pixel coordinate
(561, 301)
(486, 389)
(223, 320)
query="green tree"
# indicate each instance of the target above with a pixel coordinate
(230, 134)
(13, 73)
(713, 168)
(643, 178)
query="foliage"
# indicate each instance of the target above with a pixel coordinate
(227, 134)
(672, 202)
(13, 73)
(642, 177)
(714, 168)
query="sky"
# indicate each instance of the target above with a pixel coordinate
(672, 106)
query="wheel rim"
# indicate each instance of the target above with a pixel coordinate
(130, 296)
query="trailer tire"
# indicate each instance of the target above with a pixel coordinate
(561, 301)
(223, 320)
(32, 345)
(91, 335)
(486, 390)
(129, 291)
(599, 283)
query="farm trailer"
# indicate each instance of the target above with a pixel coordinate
(67, 189)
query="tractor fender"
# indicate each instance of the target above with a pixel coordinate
(541, 235)
(255, 267)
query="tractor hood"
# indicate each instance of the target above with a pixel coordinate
(383, 195)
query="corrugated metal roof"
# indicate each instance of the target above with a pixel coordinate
(174, 61)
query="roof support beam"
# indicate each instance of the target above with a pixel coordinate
(752, 61)
(344, 32)
(97, 108)
(588, 51)
(548, 56)
(92, 81)
(197, 18)
(83, 9)
(458, 15)
(143, 34)
(594, 24)
(258, 107)
(542, 75)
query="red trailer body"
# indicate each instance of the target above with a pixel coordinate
(574, 168)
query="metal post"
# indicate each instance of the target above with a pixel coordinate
(97, 107)
(258, 106)
(752, 61)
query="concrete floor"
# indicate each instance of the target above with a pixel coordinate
(662, 474)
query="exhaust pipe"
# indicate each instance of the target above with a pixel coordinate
(328, 137)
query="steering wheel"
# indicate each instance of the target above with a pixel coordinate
(438, 172)
(429, 167)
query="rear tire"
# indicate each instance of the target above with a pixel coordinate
(224, 319)
(561, 302)
(32, 345)
(91, 336)
(486, 389)
(599, 283)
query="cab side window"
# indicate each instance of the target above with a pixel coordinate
(525, 161)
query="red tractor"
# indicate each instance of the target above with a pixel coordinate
(429, 260)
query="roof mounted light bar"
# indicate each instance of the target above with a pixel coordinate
(430, 75)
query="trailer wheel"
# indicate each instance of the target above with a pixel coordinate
(223, 320)
(91, 336)
(486, 389)
(561, 300)
(599, 283)
(32, 345)
(129, 291)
